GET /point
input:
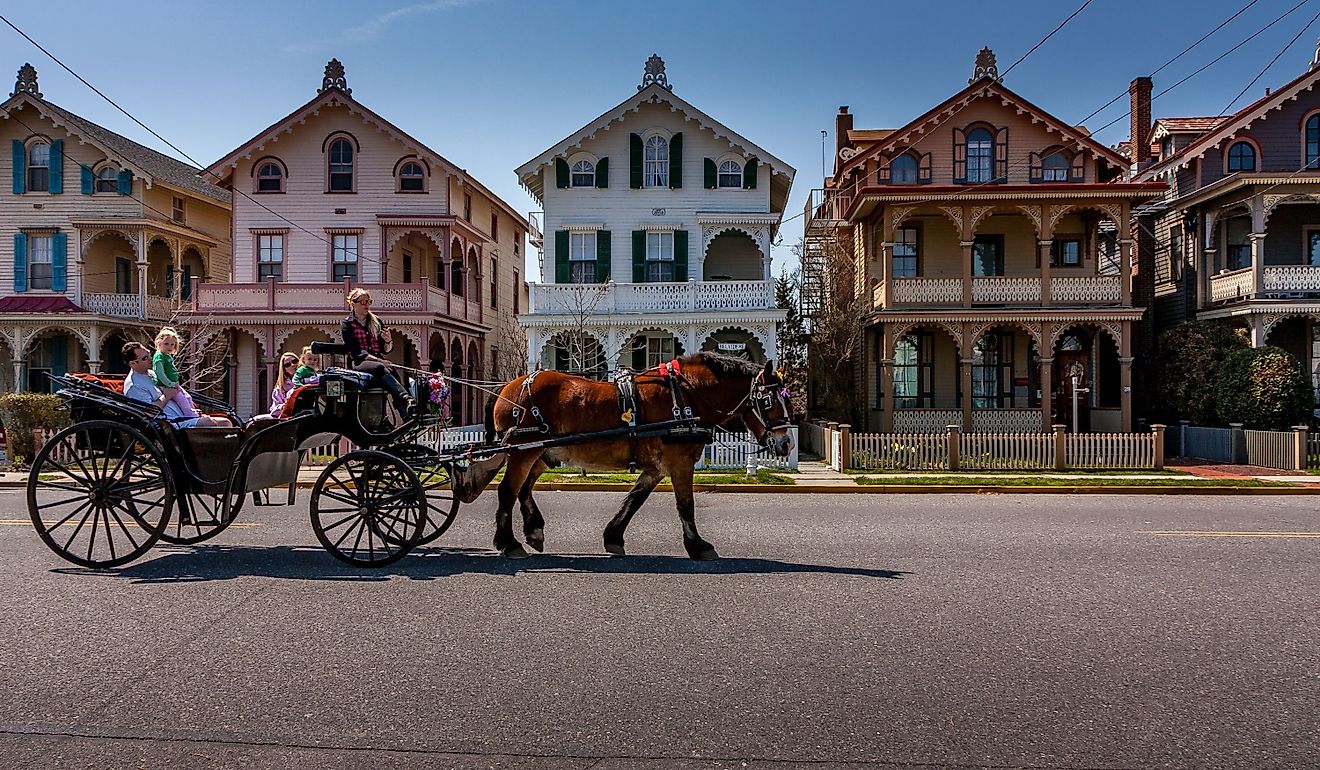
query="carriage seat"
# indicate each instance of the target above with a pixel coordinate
(114, 382)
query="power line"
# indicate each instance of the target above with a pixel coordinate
(1266, 68)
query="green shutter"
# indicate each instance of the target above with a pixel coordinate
(603, 173)
(20, 262)
(676, 161)
(680, 255)
(57, 167)
(561, 256)
(712, 175)
(639, 354)
(20, 168)
(562, 179)
(88, 179)
(125, 182)
(603, 256)
(639, 256)
(59, 261)
(59, 356)
(634, 161)
(749, 174)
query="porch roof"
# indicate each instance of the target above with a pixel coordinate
(38, 305)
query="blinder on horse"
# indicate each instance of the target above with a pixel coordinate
(761, 400)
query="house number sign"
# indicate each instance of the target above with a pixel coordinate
(657, 212)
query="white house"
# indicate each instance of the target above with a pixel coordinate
(659, 220)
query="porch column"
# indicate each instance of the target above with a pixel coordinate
(142, 274)
(1125, 271)
(534, 350)
(690, 342)
(887, 377)
(1257, 263)
(1045, 287)
(1256, 325)
(19, 362)
(1125, 376)
(177, 246)
(1206, 269)
(965, 375)
(967, 275)
(94, 350)
(886, 278)
(1047, 394)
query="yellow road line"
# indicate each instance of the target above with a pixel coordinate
(1212, 533)
(28, 523)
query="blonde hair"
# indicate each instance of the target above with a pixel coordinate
(306, 354)
(166, 334)
(373, 323)
(285, 358)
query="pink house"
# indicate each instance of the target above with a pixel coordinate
(333, 195)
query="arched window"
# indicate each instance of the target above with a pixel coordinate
(1313, 141)
(341, 166)
(107, 180)
(1055, 167)
(980, 155)
(584, 174)
(456, 277)
(1241, 157)
(656, 167)
(731, 174)
(270, 177)
(412, 177)
(38, 167)
(903, 170)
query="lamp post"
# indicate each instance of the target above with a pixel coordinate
(1076, 391)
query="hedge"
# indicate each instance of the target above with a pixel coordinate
(23, 412)
(1264, 389)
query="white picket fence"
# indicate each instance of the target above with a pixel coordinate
(900, 451)
(1006, 451)
(442, 440)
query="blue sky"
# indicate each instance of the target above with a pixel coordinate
(492, 83)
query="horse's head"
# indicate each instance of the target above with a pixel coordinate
(766, 412)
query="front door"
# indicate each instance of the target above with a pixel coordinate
(1067, 365)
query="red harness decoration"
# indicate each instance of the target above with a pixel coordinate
(671, 368)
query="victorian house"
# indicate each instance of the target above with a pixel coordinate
(989, 240)
(333, 196)
(659, 221)
(1237, 237)
(100, 240)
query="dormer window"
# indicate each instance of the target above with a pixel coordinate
(107, 180)
(1313, 142)
(980, 156)
(1055, 167)
(731, 174)
(412, 177)
(38, 167)
(1241, 157)
(1166, 147)
(903, 170)
(270, 177)
(340, 169)
(584, 174)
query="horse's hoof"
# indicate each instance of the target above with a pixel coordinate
(615, 549)
(515, 552)
(707, 555)
(537, 541)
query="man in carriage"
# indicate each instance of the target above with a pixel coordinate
(139, 386)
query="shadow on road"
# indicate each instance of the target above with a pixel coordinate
(188, 564)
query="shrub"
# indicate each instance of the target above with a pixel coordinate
(1264, 389)
(22, 412)
(1190, 355)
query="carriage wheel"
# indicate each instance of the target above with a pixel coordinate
(368, 508)
(201, 517)
(435, 476)
(100, 493)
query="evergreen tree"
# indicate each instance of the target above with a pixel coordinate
(792, 334)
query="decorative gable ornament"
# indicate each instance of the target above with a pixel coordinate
(1315, 60)
(27, 81)
(655, 74)
(334, 78)
(986, 67)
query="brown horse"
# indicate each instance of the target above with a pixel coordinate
(717, 388)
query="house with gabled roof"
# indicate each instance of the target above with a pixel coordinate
(990, 243)
(101, 240)
(658, 223)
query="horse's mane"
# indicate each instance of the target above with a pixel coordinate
(722, 365)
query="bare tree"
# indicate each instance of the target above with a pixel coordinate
(511, 341)
(581, 351)
(203, 367)
(838, 306)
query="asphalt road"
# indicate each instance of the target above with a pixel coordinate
(841, 631)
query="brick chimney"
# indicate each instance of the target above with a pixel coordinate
(843, 123)
(1139, 134)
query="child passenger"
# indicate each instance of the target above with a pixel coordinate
(166, 375)
(309, 363)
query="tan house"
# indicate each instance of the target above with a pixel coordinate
(991, 239)
(100, 240)
(333, 195)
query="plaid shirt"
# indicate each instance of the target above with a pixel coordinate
(360, 342)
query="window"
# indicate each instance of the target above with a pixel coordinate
(1239, 242)
(1166, 147)
(1055, 168)
(980, 155)
(270, 257)
(494, 283)
(903, 170)
(39, 261)
(123, 276)
(660, 257)
(494, 227)
(584, 174)
(731, 174)
(659, 350)
(1066, 252)
(1313, 251)
(270, 178)
(407, 267)
(456, 277)
(1313, 141)
(38, 170)
(107, 180)
(345, 257)
(992, 368)
(412, 177)
(988, 255)
(341, 166)
(655, 168)
(1176, 251)
(906, 250)
(438, 277)
(1241, 157)
(914, 371)
(467, 206)
(180, 214)
(517, 293)
(582, 257)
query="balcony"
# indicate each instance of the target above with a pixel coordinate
(999, 290)
(131, 306)
(1276, 282)
(689, 296)
(328, 298)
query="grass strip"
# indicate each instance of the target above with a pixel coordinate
(1036, 472)
(1046, 481)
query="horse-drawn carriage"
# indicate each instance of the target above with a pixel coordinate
(104, 490)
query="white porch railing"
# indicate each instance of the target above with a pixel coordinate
(1291, 278)
(328, 297)
(1086, 288)
(1239, 283)
(117, 305)
(1005, 290)
(926, 420)
(1005, 420)
(926, 291)
(550, 299)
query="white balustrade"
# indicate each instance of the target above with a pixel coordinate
(321, 297)
(117, 305)
(1005, 290)
(1086, 288)
(567, 298)
(1238, 283)
(1006, 420)
(928, 291)
(1291, 278)
(926, 420)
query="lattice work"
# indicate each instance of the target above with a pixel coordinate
(928, 291)
(1304, 278)
(1006, 420)
(1086, 288)
(1035, 214)
(955, 214)
(926, 420)
(976, 214)
(1232, 285)
(1006, 290)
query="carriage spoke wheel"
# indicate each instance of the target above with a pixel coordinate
(201, 517)
(436, 477)
(100, 493)
(368, 508)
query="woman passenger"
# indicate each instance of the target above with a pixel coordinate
(368, 341)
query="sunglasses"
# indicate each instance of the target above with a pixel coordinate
(292, 365)
(361, 302)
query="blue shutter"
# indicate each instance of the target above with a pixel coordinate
(88, 179)
(20, 262)
(59, 261)
(57, 167)
(59, 356)
(125, 182)
(20, 168)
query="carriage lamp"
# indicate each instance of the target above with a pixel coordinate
(334, 389)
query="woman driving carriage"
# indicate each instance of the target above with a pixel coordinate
(368, 341)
